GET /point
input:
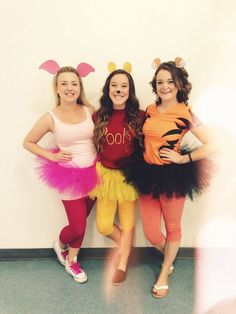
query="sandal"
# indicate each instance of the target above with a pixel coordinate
(155, 290)
(171, 269)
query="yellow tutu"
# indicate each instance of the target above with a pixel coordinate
(113, 186)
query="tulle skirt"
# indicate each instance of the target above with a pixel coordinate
(113, 186)
(178, 180)
(72, 181)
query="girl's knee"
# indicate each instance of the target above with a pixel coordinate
(174, 235)
(105, 229)
(156, 238)
(79, 233)
(128, 225)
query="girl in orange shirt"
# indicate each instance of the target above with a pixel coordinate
(165, 175)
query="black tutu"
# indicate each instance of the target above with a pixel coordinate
(179, 180)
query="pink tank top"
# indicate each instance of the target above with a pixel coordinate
(77, 139)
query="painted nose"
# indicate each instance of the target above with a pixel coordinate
(118, 91)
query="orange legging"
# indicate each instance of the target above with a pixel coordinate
(152, 210)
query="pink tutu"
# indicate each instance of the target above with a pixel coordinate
(66, 179)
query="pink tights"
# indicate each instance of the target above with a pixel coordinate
(152, 210)
(77, 212)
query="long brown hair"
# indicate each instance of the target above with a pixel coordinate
(132, 119)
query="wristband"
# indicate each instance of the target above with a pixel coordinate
(190, 157)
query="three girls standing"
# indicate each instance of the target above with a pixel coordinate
(163, 176)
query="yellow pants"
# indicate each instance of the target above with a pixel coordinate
(113, 186)
(106, 211)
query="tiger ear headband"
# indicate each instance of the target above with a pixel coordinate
(126, 66)
(179, 62)
(52, 67)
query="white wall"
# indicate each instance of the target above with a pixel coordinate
(98, 32)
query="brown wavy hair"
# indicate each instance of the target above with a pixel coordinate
(132, 118)
(82, 98)
(180, 78)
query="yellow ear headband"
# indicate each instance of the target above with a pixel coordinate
(126, 66)
(179, 62)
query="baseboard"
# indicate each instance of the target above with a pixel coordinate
(137, 252)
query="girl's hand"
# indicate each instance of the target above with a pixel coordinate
(171, 155)
(61, 156)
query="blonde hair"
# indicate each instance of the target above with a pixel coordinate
(82, 98)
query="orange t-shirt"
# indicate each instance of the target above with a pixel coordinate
(165, 129)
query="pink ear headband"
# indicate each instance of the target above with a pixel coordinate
(52, 67)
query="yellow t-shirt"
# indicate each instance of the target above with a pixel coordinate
(165, 130)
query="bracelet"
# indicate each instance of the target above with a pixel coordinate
(190, 157)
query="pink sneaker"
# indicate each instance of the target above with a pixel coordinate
(76, 271)
(61, 254)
